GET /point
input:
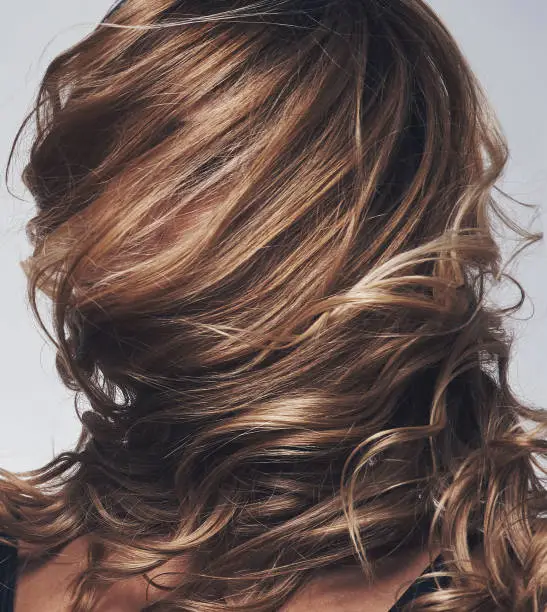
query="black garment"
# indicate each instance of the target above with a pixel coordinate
(8, 575)
(422, 585)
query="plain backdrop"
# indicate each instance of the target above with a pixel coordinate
(506, 44)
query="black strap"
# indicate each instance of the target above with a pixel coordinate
(421, 585)
(8, 577)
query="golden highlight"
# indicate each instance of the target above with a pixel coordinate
(266, 232)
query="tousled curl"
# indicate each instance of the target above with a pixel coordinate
(266, 231)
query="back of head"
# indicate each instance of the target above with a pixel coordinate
(265, 230)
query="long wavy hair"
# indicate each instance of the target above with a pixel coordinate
(267, 233)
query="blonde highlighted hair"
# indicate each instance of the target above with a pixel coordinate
(266, 232)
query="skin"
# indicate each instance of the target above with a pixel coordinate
(343, 590)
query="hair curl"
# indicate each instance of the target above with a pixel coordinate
(266, 231)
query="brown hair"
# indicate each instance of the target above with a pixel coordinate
(266, 232)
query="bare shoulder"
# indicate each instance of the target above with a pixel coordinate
(46, 586)
(48, 582)
(346, 590)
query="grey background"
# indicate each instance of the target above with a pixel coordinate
(506, 43)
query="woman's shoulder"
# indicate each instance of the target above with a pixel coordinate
(47, 580)
(345, 590)
(50, 581)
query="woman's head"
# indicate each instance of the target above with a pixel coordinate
(266, 231)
